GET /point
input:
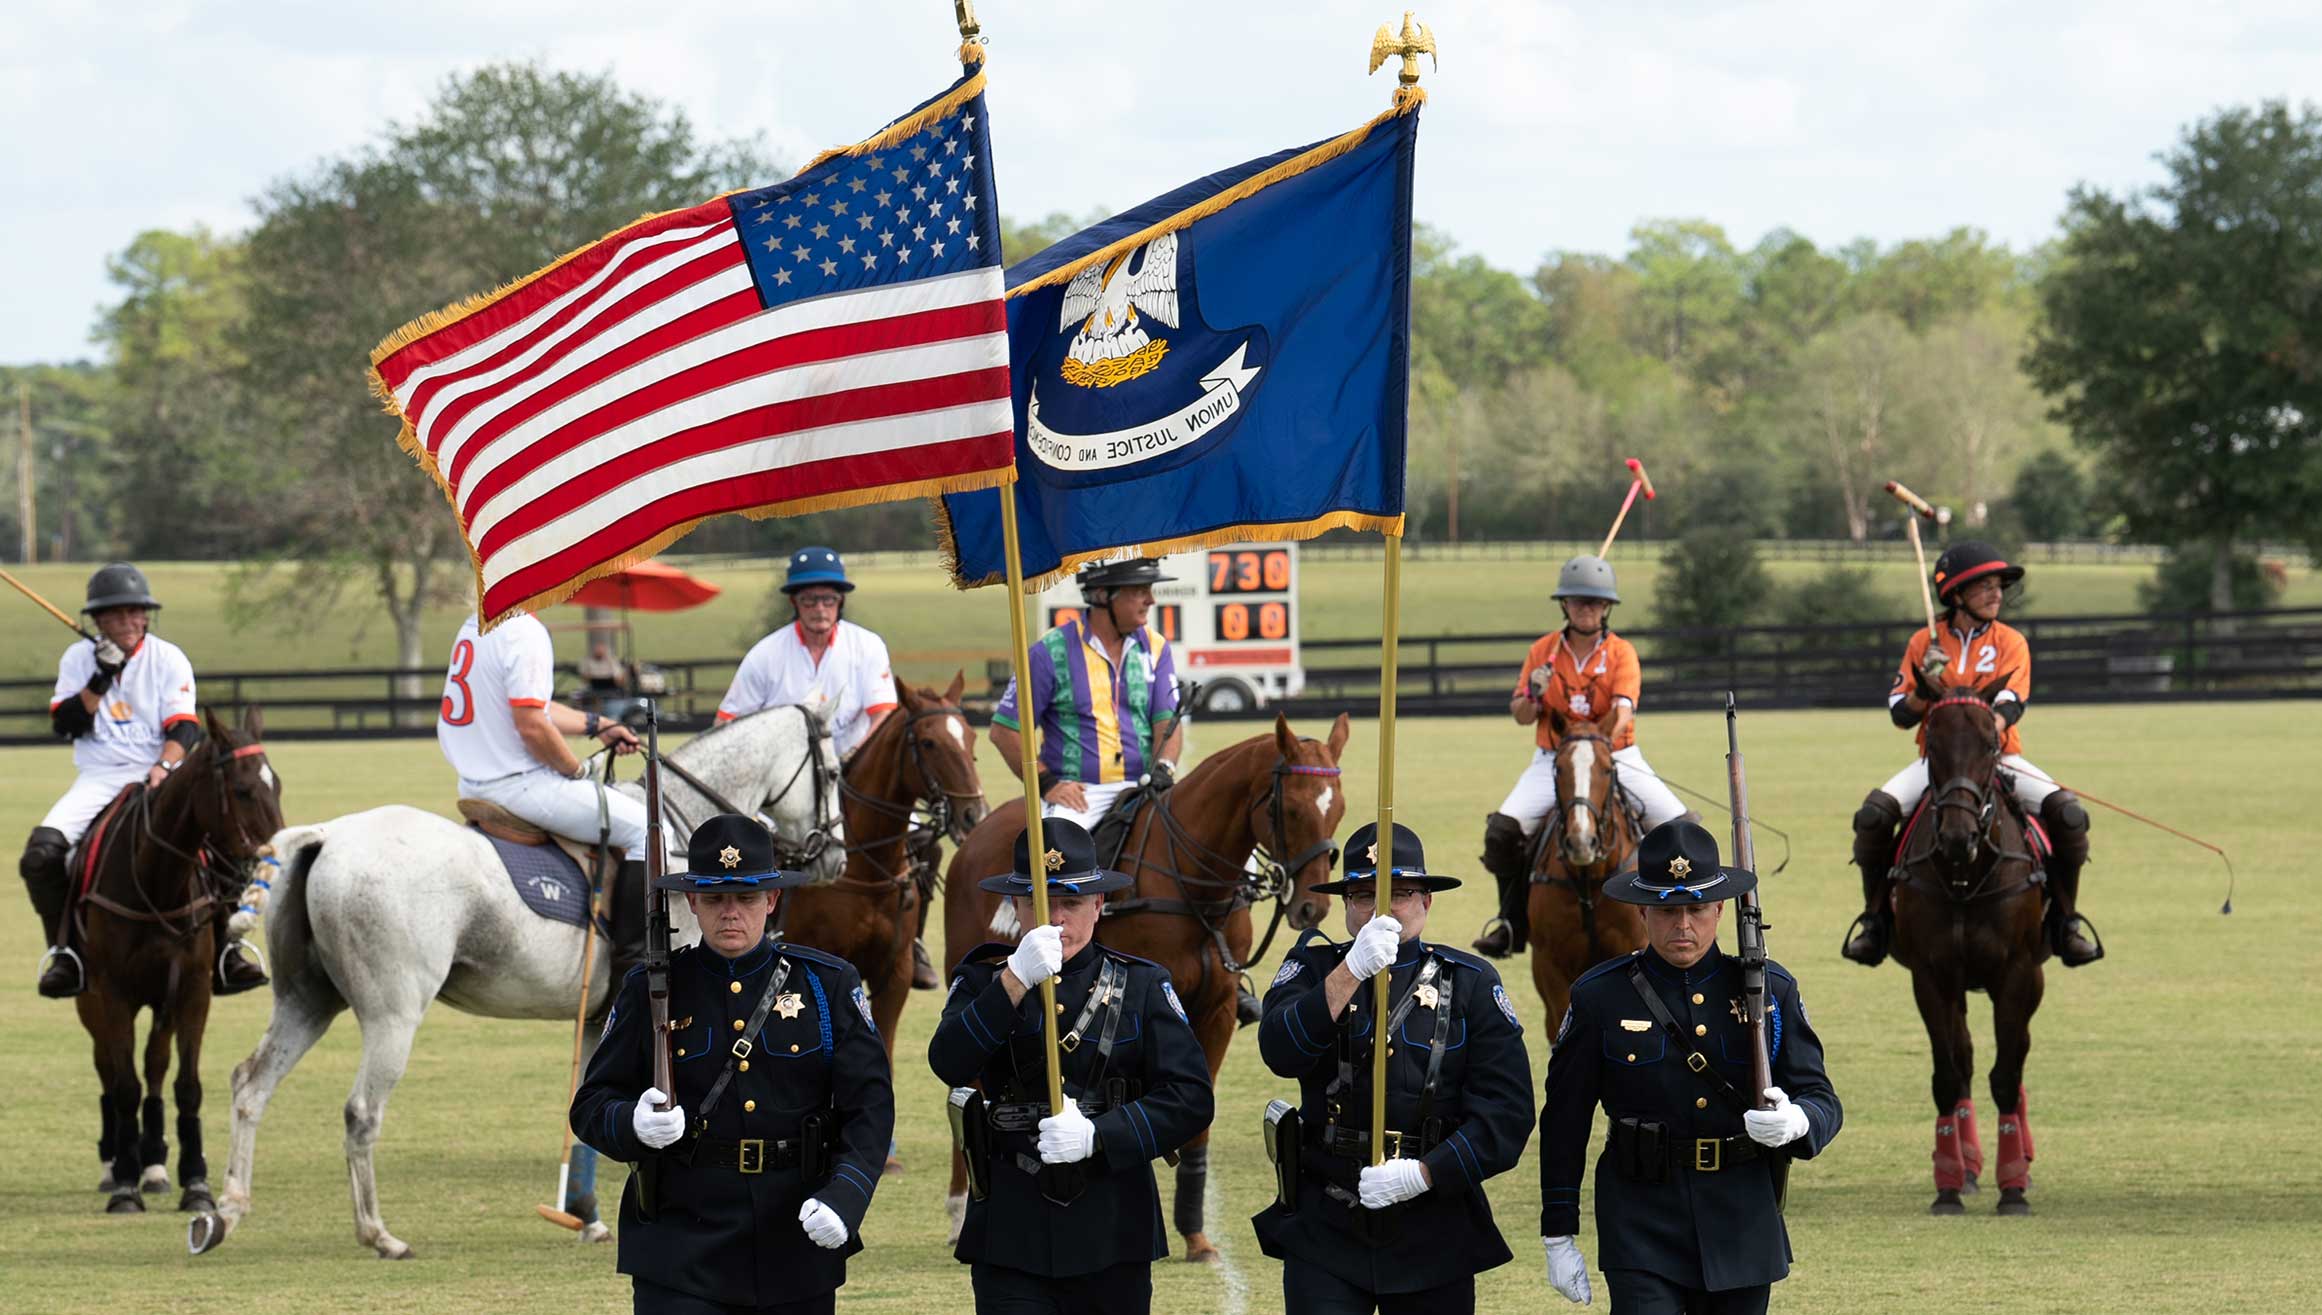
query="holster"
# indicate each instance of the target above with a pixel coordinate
(1640, 1150)
(971, 1136)
(815, 1155)
(1282, 1147)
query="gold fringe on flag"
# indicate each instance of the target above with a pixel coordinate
(947, 542)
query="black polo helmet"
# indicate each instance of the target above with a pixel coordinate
(1971, 559)
(1121, 574)
(118, 584)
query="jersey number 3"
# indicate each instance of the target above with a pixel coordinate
(463, 661)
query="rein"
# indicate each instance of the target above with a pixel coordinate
(817, 837)
(207, 874)
(1583, 882)
(1973, 795)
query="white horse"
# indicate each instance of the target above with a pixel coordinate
(387, 910)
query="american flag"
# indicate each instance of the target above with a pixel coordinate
(834, 340)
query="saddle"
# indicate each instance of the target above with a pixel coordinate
(1111, 834)
(2035, 832)
(500, 824)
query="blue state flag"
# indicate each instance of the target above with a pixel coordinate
(1227, 362)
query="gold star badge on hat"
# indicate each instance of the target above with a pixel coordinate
(1055, 860)
(1372, 854)
(730, 858)
(1680, 866)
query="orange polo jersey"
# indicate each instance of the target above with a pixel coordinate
(1583, 689)
(1975, 657)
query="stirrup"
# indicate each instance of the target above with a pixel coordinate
(63, 953)
(1247, 1010)
(2063, 935)
(221, 984)
(1877, 932)
(1497, 940)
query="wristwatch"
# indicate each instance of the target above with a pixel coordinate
(590, 727)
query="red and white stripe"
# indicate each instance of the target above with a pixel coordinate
(639, 386)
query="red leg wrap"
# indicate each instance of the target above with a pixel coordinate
(2015, 1161)
(2024, 1122)
(1950, 1172)
(1970, 1141)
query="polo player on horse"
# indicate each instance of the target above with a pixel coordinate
(1971, 581)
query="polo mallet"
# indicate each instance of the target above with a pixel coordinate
(559, 1215)
(47, 606)
(1920, 510)
(1641, 480)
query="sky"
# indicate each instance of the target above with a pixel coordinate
(1550, 126)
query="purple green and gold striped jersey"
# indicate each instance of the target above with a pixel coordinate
(1096, 720)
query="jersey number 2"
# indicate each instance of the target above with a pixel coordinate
(463, 661)
(1986, 660)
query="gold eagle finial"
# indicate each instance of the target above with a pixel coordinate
(1417, 39)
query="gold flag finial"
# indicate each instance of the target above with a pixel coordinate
(971, 40)
(1417, 39)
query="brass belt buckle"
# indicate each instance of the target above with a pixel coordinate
(1393, 1144)
(1708, 1154)
(753, 1156)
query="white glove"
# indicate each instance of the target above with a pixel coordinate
(1382, 1185)
(1779, 1126)
(1567, 1269)
(656, 1128)
(1067, 1138)
(109, 654)
(1375, 946)
(1039, 956)
(822, 1224)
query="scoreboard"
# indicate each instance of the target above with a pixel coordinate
(1231, 612)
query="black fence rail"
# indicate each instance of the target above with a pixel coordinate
(2078, 659)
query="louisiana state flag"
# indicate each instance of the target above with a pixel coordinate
(1229, 361)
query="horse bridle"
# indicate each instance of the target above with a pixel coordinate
(1564, 807)
(939, 799)
(1583, 887)
(818, 836)
(212, 872)
(1980, 802)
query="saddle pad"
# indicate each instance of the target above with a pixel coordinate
(545, 877)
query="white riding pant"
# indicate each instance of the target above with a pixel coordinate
(2032, 785)
(1535, 794)
(565, 807)
(1100, 802)
(90, 792)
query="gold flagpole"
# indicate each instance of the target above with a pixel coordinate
(1383, 886)
(1035, 847)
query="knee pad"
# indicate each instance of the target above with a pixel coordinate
(1879, 812)
(44, 854)
(2062, 812)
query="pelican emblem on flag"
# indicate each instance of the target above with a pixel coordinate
(1112, 301)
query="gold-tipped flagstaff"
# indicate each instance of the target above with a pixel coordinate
(1414, 40)
(971, 40)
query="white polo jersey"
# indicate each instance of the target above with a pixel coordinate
(154, 692)
(847, 688)
(490, 675)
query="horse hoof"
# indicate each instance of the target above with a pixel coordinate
(106, 1183)
(394, 1249)
(1947, 1202)
(894, 1166)
(595, 1231)
(156, 1179)
(1199, 1250)
(196, 1197)
(125, 1203)
(203, 1233)
(2012, 1202)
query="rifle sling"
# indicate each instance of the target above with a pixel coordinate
(740, 1050)
(1694, 1059)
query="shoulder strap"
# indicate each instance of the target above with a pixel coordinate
(742, 1044)
(1443, 1005)
(1694, 1059)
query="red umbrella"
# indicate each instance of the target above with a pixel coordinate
(646, 587)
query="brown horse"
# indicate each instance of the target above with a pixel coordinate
(925, 752)
(1968, 902)
(155, 871)
(1589, 836)
(1190, 852)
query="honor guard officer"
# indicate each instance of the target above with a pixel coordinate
(1688, 1216)
(776, 1135)
(1062, 1214)
(1459, 1104)
(126, 701)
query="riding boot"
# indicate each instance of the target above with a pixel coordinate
(238, 968)
(923, 976)
(2074, 940)
(1504, 857)
(625, 919)
(1247, 1010)
(50, 885)
(1874, 854)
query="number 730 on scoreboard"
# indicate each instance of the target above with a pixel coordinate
(1232, 614)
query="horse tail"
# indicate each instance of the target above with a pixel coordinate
(281, 882)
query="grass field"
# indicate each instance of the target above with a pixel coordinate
(932, 629)
(2171, 1084)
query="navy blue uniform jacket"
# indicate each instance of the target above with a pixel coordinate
(985, 1041)
(1483, 1099)
(721, 1234)
(1703, 1230)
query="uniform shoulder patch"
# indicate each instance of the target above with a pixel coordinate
(1169, 993)
(1507, 1006)
(863, 1004)
(1564, 1029)
(1290, 968)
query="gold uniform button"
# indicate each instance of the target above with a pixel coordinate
(744, 1066)
(1632, 1058)
(1701, 1029)
(1701, 1102)
(793, 1047)
(749, 1107)
(1696, 994)
(681, 1052)
(736, 988)
(737, 1025)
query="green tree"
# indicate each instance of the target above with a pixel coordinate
(1923, 282)
(2182, 583)
(2050, 500)
(2181, 337)
(1689, 290)
(1711, 578)
(1978, 411)
(1849, 404)
(513, 166)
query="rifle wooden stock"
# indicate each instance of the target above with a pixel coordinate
(1750, 936)
(656, 950)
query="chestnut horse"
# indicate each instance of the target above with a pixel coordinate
(925, 752)
(1590, 835)
(158, 861)
(1190, 852)
(1968, 902)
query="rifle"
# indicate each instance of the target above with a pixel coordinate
(1750, 931)
(656, 952)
